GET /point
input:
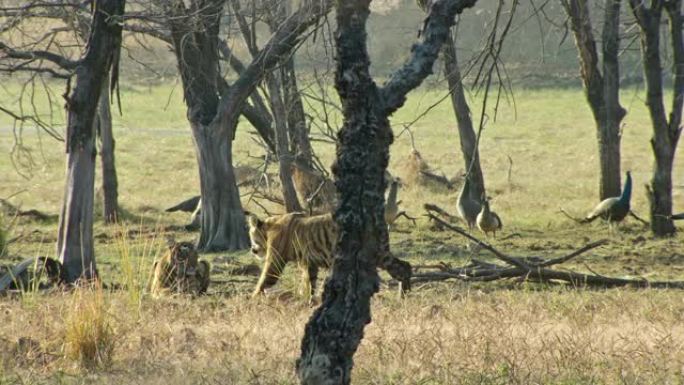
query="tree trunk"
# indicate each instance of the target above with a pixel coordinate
(665, 133)
(296, 118)
(609, 129)
(223, 225)
(107, 145)
(75, 235)
(335, 330)
(602, 94)
(194, 30)
(471, 154)
(282, 147)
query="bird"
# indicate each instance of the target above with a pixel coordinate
(392, 211)
(188, 205)
(468, 208)
(391, 204)
(487, 220)
(614, 209)
(677, 217)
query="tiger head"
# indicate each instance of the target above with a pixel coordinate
(183, 258)
(257, 236)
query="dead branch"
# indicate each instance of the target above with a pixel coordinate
(505, 258)
(529, 269)
(430, 208)
(403, 214)
(439, 179)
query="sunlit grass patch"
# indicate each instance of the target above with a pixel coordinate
(89, 337)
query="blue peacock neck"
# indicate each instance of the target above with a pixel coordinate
(627, 190)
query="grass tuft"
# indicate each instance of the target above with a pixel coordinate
(135, 262)
(89, 335)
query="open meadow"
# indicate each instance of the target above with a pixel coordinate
(538, 155)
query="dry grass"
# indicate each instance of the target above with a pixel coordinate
(437, 336)
(445, 333)
(88, 335)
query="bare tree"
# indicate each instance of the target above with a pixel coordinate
(666, 131)
(274, 15)
(466, 133)
(601, 88)
(214, 108)
(75, 240)
(335, 330)
(66, 22)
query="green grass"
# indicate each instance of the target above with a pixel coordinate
(442, 334)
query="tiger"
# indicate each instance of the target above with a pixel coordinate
(310, 242)
(180, 271)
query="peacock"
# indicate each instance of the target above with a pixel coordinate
(613, 209)
(391, 204)
(392, 211)
(468, 208)
(677, 217)
(487, 220)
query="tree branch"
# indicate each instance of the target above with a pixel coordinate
(423, 55)
(280, 44)
(59, 60)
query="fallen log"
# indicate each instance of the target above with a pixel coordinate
(21, 278)
(527, 269)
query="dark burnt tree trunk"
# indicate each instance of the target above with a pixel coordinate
(666, 131)
(110, 182)
(469, 148)
(602, 89)
(75, 235)
(194, 32)
(214, 119)
(335, 330)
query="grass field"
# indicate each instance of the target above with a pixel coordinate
(443, 333)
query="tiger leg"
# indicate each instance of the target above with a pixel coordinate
(270, 273)
(202, 277)
(313, 277)
(398, 269)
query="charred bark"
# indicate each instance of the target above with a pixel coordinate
(75, 235)
(466, 133)
(666, 131)
(110, 182)
(602, 90)
(335, 330)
